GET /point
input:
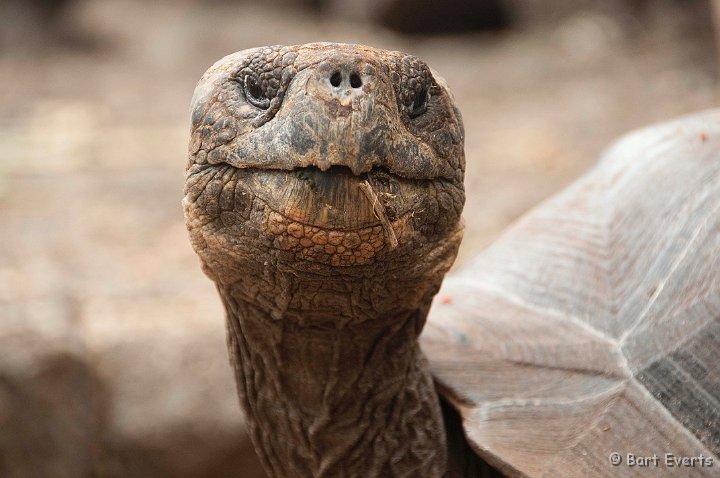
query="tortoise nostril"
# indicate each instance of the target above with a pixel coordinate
(355, 80)
(336, 79)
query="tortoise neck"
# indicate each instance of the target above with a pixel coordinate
(351, 401)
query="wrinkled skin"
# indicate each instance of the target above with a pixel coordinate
(323, 197)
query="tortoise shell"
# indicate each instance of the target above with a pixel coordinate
(592, 326)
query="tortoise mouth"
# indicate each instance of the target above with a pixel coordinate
(330, 198)
(310, 216)
(334, 216)
(336, 165)
(336, 170)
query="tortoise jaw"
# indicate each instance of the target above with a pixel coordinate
(309, 219)
(312, 218)
(333, 199)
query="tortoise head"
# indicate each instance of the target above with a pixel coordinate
(324, 160)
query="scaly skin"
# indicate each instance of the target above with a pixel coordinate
(323, 197)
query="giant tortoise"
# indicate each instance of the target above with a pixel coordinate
(323, 196)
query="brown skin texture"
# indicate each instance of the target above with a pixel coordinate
(323, 197)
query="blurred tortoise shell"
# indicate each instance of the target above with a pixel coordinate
(592, 326)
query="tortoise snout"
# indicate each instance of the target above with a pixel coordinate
(342, 81)
(344, 78)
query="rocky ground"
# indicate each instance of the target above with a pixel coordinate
(112, 357)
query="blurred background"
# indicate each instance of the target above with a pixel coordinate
(112, 348)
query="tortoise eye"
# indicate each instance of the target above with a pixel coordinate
(419, 104)
(254, 93)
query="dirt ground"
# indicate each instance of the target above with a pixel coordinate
(93, 137)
